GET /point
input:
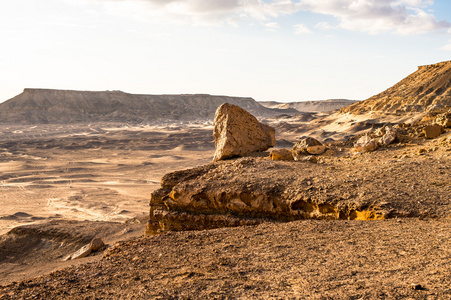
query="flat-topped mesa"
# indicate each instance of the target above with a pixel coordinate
(237, 133)
(48, 106)
(426, 89)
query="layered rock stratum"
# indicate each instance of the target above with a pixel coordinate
(46, 106)
(426, 89)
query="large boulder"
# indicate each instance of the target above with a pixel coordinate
(307, 146)
(237, 133)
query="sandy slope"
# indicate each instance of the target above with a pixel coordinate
(427, 88)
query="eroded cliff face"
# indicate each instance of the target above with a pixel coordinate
(426, 89)
(248, 191)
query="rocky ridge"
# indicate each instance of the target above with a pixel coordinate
(426, 89)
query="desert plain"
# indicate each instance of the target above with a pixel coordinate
(89, 172)
(64, 184)
(103, 172)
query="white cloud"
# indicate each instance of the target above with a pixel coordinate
(323, 25)
(212, 11)
(399, 16)
(272, 26)
(301, 29)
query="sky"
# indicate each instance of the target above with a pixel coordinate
(270, 50)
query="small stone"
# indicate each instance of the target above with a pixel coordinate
(97, 244)
(82, 252)
(319, 149)
(311, 159)
(421, 151)
(416, 287)
(330, 152)
(365, 144)
(307, 146)
(389, 136)
(444, 120)
(280, 154)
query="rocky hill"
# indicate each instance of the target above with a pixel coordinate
(426, 89)
(311, 106)
(45, 106)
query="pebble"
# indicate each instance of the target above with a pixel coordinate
(416, 287)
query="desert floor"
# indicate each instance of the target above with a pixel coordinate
(98, 173)
(71, 183)
(101, 173)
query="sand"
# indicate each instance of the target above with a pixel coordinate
(82, 172)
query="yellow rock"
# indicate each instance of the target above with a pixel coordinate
(319, 149)
(366, 215)
(280, 154)
(432, 131)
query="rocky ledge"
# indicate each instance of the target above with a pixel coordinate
(399, 181)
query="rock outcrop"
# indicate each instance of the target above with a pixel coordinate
(237, 133)
(228, 193)
(251, 190)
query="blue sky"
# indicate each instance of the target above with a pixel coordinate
(281, 50)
